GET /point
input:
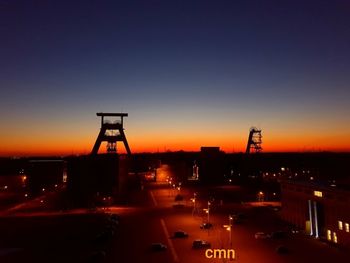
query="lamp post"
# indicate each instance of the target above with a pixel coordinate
(230, 220)
(208, 211)
(170, 183)
(229, 228)
(261, 196)
(194, 203)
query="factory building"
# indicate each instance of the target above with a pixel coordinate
(210, 165)
(91, 177)
(322, 211)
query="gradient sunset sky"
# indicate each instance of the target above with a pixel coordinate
(189, 73)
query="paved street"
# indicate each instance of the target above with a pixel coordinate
(152, 215)
(156, 220)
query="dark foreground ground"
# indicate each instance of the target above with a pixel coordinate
(34, 233)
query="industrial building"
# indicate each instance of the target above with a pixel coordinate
(323, 211)
(211, 165)
(44, 174)
(91, 176)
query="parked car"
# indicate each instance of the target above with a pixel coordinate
(206, 225)
(178, 205)
(261, 235)
(236, 219)
(294, 230)
(97, 256)
(105, 235)
(197, 244)
(180, 234)
(158, 247)
(179, 197)
(114, 217)
(279, 234)
(282, 250)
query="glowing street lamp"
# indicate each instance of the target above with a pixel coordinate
(208, 211)
(170, 186)
(230, 220)
(229, 228)
(194, 203)
(179, 187)
(261, 196)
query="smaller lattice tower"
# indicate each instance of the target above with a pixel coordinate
(254, 140)
(112, 131)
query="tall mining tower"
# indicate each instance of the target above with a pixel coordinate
(111, 132)
(254, 140)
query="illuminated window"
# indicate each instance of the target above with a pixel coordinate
(329, 235)
(340, 225)
(347, 227)
(64, 178)
(335, 238)
(318, 193)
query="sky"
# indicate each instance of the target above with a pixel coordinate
(188, 73)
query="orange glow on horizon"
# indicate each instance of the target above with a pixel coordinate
(191, 145)
(80, 140)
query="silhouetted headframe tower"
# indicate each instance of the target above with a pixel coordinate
(111, 132)
(254, 140)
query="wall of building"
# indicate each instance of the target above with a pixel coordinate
(94, 177)
(44, 174)
(304, 201)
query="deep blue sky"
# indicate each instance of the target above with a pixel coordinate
(281, 65)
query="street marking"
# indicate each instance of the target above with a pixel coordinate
(170, 242)
(153, 199)
(21, 205)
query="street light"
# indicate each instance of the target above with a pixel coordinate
(194, 203)
(170, 184)
(208, 211)
(261, 196)
(230, 220)
(229, 228)
(179, 187)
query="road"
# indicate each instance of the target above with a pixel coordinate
(156, 219)
(150, 216)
